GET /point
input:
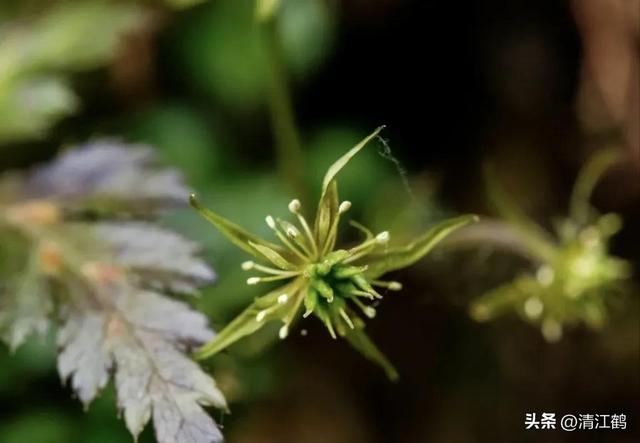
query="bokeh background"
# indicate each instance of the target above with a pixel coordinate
(534, 87)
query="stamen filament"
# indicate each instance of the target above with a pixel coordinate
(283, 276)
(250, 265)
(366, 247)
(346, 318)
(368, 310)
(293, 233)
(391, 285)
(272, 224)
(294, 208)
(359, 293)
(260, 316)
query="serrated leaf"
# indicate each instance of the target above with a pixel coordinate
(141, 338)
(248, 322)
(397, 258)
(25, 306)
(84, 357)
(109, 176)
(160, 259)
(109, 325)
(359, 340)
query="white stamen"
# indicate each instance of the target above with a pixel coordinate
(283, 298)
(261, 315)
(247, 265)
(294, 206)
(545, 275)
(283, 332)
(533, 307)
(292, 232)
(383, 237)
(369, 312)
(344, 207)
(551, 330)
(270, 222)
(395, 286)
(253, 280)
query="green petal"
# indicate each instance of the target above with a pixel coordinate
(322, 288)
(246, 322)
(235, 233)
(363, 344)
(310, 301)
(327, 212)
(328, 206)
(397, 258)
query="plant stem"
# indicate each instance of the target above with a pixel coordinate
(285, 132)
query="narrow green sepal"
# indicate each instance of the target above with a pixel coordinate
(237, 235)
(359, 340)
(397, 258)
(248, 321)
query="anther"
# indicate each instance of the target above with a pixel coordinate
(247, 265)
(294, 206)
(383, 237)
(270, 222)
(253, 280)
(395, 286)
(283, 298)
(292, 232)
(369, 312)
(344, 207)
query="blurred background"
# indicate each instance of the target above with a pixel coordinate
(534, 87)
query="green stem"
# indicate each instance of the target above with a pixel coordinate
(287, 139)
(587, 179)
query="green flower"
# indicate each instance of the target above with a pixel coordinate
(574, 277)
(335, 285)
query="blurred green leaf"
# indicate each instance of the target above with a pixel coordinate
(35, 54)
